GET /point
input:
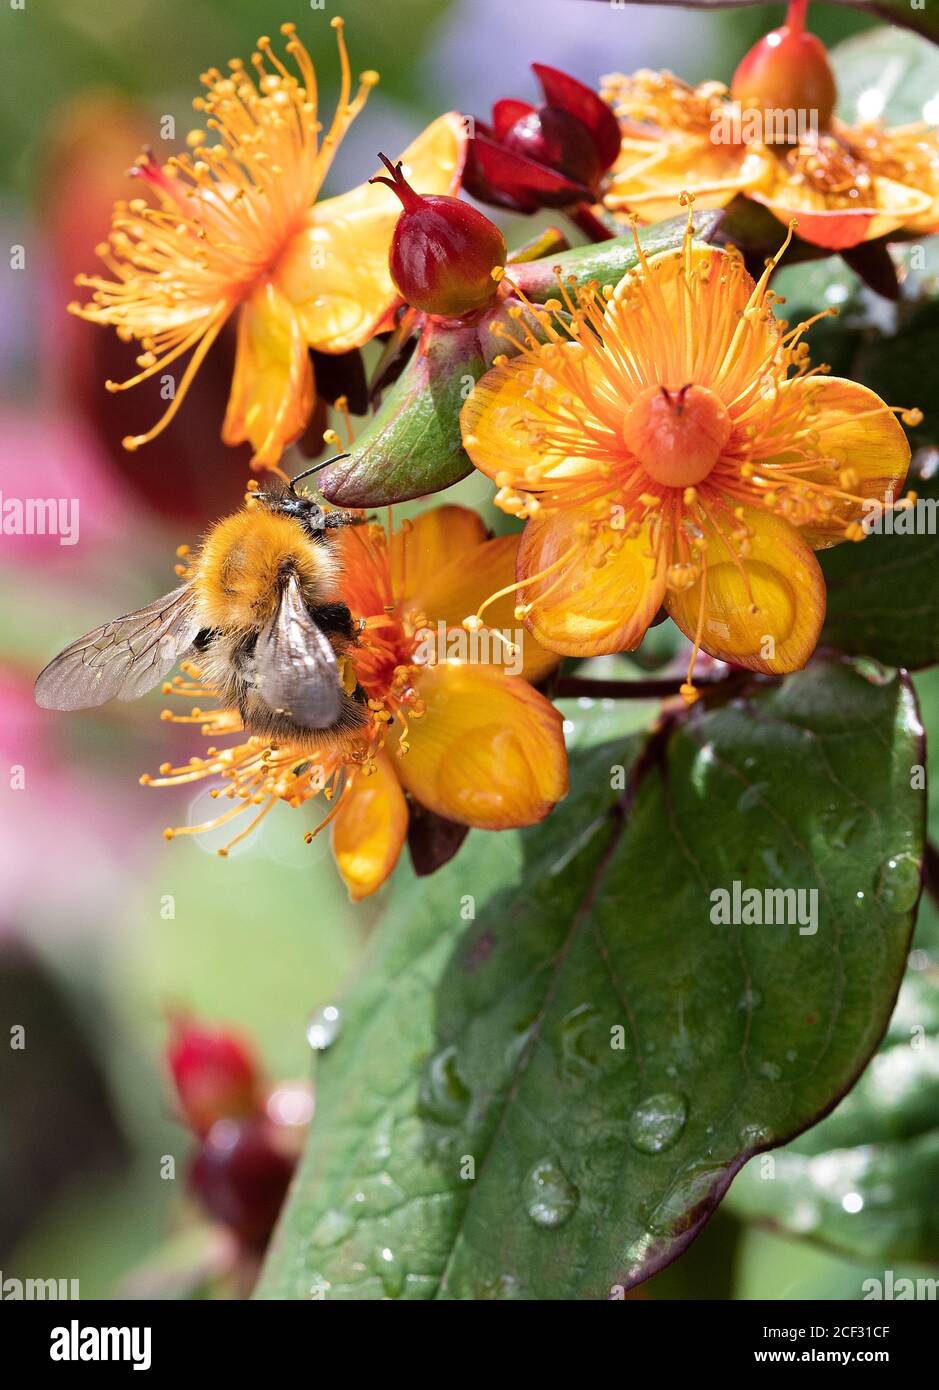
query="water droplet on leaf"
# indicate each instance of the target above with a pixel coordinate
(898, 883)
(323, 1028)
(550, 1197)
(386, 1264)
(444, 1096)
(657, 1122)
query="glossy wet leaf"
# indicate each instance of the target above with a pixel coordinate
(864, 1181)
(555, 1062)
(887, 74)
(883, 600)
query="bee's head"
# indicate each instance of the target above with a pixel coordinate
(315, 520)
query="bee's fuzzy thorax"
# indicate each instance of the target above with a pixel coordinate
(242, 564)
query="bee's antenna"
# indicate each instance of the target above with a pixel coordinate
(315, 469)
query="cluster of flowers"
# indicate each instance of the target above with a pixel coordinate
(663, 438)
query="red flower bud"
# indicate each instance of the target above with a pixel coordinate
(215, 1073)
(240, 1175)
(552, 155)
(443, 251)
(554, 138)
(788, 70)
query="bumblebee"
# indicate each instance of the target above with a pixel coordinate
(260, 617)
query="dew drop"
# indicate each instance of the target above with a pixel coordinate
(386, 1264)
(898, 883)
(838, 827)
(578, 1056)
(550, 1197)
(323, 1028)
(444, 1096)
(693, 1186)
(657, 1122)
(751, 1136)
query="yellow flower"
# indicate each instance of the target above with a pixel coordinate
(238, 228)
(845, 184)
(460, 734)
(854, 183)
(662, 453)
(668, 146)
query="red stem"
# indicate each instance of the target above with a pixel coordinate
(625, 690)
(410, 200)
(795, 16)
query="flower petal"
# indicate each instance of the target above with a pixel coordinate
(915, 150)
(780, 575)
(272, 393)
(335, 271)
(466, 582)
(649, 176)
(580, 608)
(369, 829)
(489, 751)
(420, 548)
(491, 421)
(853, 428)
(824, 221)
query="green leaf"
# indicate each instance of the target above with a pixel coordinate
(608, 261)
(889, 75)
(412, 446)
(883, 600)
(864, 1181)
(550, 1100)
(770, 1266)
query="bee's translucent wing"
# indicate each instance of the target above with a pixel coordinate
(296, 669)
(124, 658)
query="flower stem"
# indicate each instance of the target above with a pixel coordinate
(795, 16)
(656, 689)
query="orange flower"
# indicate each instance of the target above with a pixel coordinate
(854, 183)
(238, 227)
(662, 453)
(668, 146)
(777, 142)
(454, 722)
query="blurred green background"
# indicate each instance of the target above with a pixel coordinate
(104, 926)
